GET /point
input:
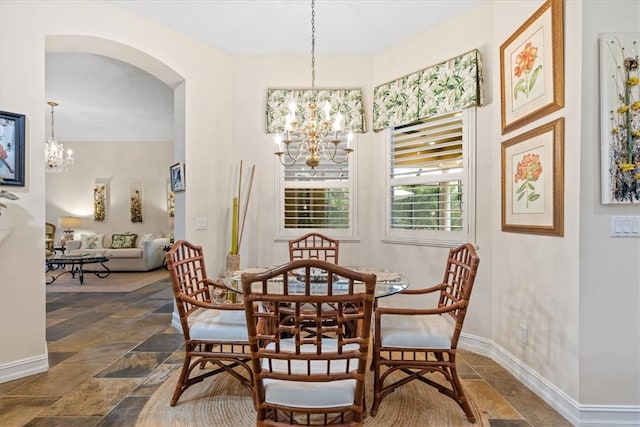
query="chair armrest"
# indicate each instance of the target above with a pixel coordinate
(211, 305)
(436, 288)
(418, 311)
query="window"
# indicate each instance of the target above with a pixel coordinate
(430, 181)
(323, 202)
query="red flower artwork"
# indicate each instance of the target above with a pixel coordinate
(528, 171)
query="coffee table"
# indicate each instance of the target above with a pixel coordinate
(75, 264)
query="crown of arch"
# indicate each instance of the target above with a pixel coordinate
(117, 50)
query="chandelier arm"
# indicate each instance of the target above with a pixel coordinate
(298, 153)
(284, 163)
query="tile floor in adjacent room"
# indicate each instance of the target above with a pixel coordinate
(108, 353)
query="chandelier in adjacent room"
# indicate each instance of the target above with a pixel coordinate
(316, 138)
(55, 158)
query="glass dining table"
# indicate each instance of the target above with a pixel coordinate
(387, 283)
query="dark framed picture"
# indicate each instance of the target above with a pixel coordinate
(176, 175)
(532, 68)
(533, 181)
(12, 127)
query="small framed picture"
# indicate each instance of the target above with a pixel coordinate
(532, 68)
(533, 181)
(12, 127)
(176, 175)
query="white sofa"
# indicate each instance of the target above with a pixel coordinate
(147, 253)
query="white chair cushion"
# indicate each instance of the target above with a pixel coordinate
(218, 325)
(426, 331)
(312, 394)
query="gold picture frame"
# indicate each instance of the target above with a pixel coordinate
(533, 181)
(532, 68)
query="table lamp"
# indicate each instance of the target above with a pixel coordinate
(68, 223)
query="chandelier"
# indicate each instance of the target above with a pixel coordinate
(54, 155)
(316, 137)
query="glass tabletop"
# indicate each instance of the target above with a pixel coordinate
(387, 283)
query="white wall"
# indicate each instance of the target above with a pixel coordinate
(538, 280)
(119, 164)
(609, 300)
(253, 75)
(25, 29)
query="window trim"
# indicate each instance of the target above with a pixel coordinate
(431, 237)
(347, 234)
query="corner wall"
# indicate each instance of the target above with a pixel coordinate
(609, 268)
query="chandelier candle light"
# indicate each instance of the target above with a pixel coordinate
(315, 137)
(54, 155)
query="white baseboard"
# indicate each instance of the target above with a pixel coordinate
(578, 415)
(24, 368)
(175, 320)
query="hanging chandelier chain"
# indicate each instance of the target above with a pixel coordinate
(315, 138)
(53, 104)
(313, 49)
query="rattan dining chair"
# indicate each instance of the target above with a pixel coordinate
(413, 343)
(315, 246)
(215, 333)
(302, 379)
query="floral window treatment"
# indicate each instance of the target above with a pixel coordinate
(346, 101)
(445, 87)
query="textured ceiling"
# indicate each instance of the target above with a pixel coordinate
(273, 27)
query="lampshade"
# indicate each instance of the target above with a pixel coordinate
(69, 222)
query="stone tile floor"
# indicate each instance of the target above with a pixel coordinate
(108, 353)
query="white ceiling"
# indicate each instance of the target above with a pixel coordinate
(103, 99)
(273, 27)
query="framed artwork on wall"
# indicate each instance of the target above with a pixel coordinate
(135, 202)
(533, 181)
(100, 192)
(620, 118)
(532, 68)
(176, 175)
(12, 128)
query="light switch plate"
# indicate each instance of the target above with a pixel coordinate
(625, 226)
(201, 223)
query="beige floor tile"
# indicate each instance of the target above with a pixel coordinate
(59, 380)
(17, 411)
(95, 397)
(103, 353)
(487, 397)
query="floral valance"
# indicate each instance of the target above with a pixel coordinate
(448, 86)
(346, 101)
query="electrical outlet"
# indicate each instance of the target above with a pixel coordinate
(523, 333)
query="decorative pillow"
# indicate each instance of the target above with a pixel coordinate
(123, 241)
(144, 238)
(91, 241)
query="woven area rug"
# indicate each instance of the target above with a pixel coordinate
(222, 401)
(115, 282)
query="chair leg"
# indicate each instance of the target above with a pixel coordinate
(375, 366)
(461, 397)
(181, 381)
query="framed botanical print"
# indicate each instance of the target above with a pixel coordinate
(533, 181)
(532, 68)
